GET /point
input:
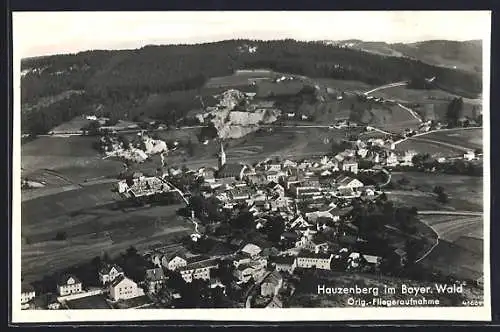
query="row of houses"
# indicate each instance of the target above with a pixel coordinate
(113, 281)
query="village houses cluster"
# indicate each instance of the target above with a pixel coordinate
(313, 197)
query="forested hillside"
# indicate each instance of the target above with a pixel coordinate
(119, 81)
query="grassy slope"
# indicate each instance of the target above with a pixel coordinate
(465, 192)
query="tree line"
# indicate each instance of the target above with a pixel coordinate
(123, 80)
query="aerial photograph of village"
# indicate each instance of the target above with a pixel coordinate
(253, 173)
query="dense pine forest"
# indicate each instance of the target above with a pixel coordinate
(120, 80)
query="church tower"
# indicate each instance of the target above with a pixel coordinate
(222, 156)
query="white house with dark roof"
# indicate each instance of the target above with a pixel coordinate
(344, 181)
(69, 284)
(109, 272)
(123, 288)
(273, 166)
(174, 262)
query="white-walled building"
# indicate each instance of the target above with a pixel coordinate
(174, 263)
(124, 288)
(27, 294)
(109, 273)
(69, 284)
(318, 261)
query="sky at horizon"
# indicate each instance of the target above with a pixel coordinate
(47, 33)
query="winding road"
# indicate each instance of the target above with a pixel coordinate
(196, 225)
(387, 86)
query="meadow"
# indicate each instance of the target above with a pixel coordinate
(435, 148)
(467, 138)
(452, 228)
(73, 159)
(464, 192)
(94, 221)
(448, 258)
(437, 100)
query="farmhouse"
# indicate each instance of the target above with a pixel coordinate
(174, 262)
(123, 288)
(391, 160)
(69, 284)
(109, 273)
(349, 165)
(469, 155)
(407, 158)
(343, 182)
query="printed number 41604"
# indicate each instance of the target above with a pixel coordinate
(472, 303)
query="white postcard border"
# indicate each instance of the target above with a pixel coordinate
(271, 315)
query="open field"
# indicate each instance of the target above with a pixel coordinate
(437, 100)
(394, 119)
(91, 229)
(452, 228)
(468, 138)
(451, 259)
(464, 192)
(473, 241)
(89, 302)
(343, 85)
(284, 142)
(434, 148)
(48, 207)
(74, 125)
(72, 158)
(239, 79)
(403, 94)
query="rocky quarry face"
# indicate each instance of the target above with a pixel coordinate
(236, 124)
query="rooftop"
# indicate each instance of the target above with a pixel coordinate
(283, 259)
(251, 249)
(155, 274)
(148, 186)
(317, 256)
(64, 279)
(106, 269)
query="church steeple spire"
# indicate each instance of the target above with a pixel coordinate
(222, 156)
